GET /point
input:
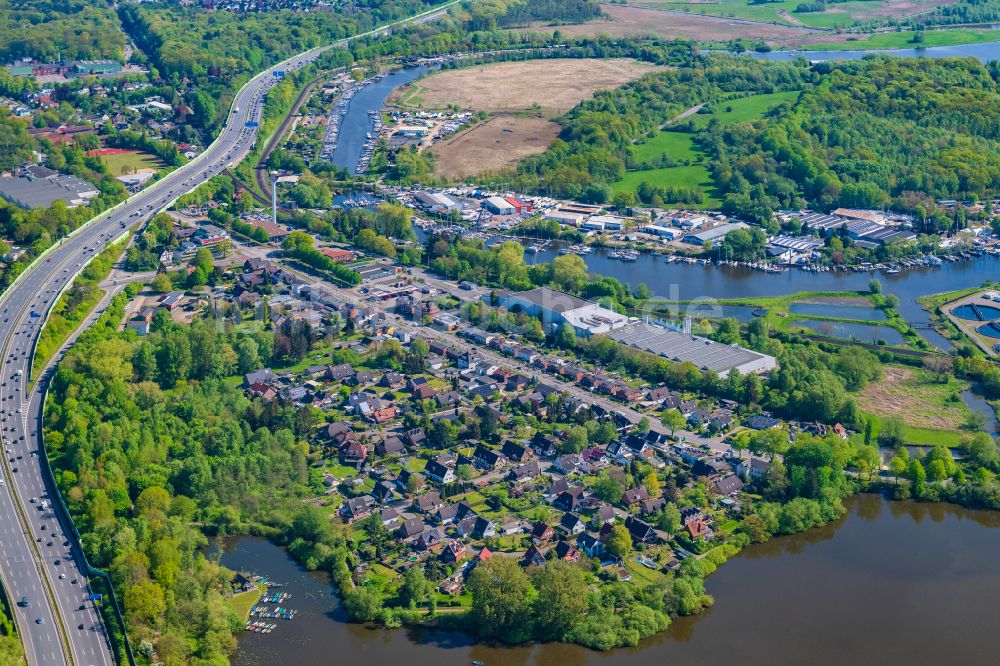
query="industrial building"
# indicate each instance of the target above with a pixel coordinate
(40, 187)
(499, 206)
(555, 308)
(714, 234)
(683, 347)
(435, 201)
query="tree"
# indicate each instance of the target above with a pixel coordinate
(203, 260)
(891, 433)
(562, 599)
(868, 460)
(608, 489)
(652, 483)
(415, 587)
(568, 272)
(501, 598)
(618, 541)
(576, 440)
(162, 283)
(566, 336)
(875, 286)
(918, 475)
(673, 419)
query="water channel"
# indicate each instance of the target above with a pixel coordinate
(890, 583)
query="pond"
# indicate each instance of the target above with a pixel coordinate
(839, 311)
(890, 583)
(861, 332)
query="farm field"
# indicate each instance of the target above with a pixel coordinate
(495, 144)
(838, 15)
(555, 85)
(121, 162)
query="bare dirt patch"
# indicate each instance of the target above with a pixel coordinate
(623, 21)
(495, 144)
(555, 85)
(901, 392)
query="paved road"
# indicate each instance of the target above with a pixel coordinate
(39, 562)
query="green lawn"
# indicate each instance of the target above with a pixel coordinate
(904, 40)
(122, 163)
(744, 109)
(678, 145)
(242, 603)
(683, 176)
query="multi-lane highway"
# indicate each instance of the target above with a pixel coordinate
(40, 562)
(42, 567)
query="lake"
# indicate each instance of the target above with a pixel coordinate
(890, 583)
(985, 52)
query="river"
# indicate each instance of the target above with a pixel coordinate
(985, 52)
(357, 122)
(901, 583)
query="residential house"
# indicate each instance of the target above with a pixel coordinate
(390, 446)
(523, 473)
(533, 557)
(410, 528)
(542, 533)
(635, 495)
(428, 503)
(569, 500)
(440, 470)
(357, 508)
(571, 524)
(727, 486)
(565, 551)
(515, 452)
(485, 459)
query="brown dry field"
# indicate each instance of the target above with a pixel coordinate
(555, 85)
(899, 393)
(495, 144)
(627, 21)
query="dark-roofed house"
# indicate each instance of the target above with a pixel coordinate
(410, 528)
(454, 551)
(542, 533)
(515, 452)
(569, 500)
(430, 540)
(641, 531)
(485, 459)
(533, 557)
(727, 486)
(525, 472)
(437, 470)
(590, 544)
(483, 528)
(564, 551)
(635, 495)
(390, 446)
(357, 508)
(761, 422)
(651, 506)
(416, 436)
(571, 524)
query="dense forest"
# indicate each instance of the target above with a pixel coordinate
(59, 29)
(151, 448)
(862, 138)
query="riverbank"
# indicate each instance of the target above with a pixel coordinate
(835, 591)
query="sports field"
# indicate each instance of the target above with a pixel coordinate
(121, 162)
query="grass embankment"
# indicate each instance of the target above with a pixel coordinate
(11, 651)
(242, 603)
(905, 40)
(691, 170)
(75, 304)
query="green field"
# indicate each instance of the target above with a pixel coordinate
(124, 163)
(680, 176)
(904, 40)
(678, 145)
(744, 109)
